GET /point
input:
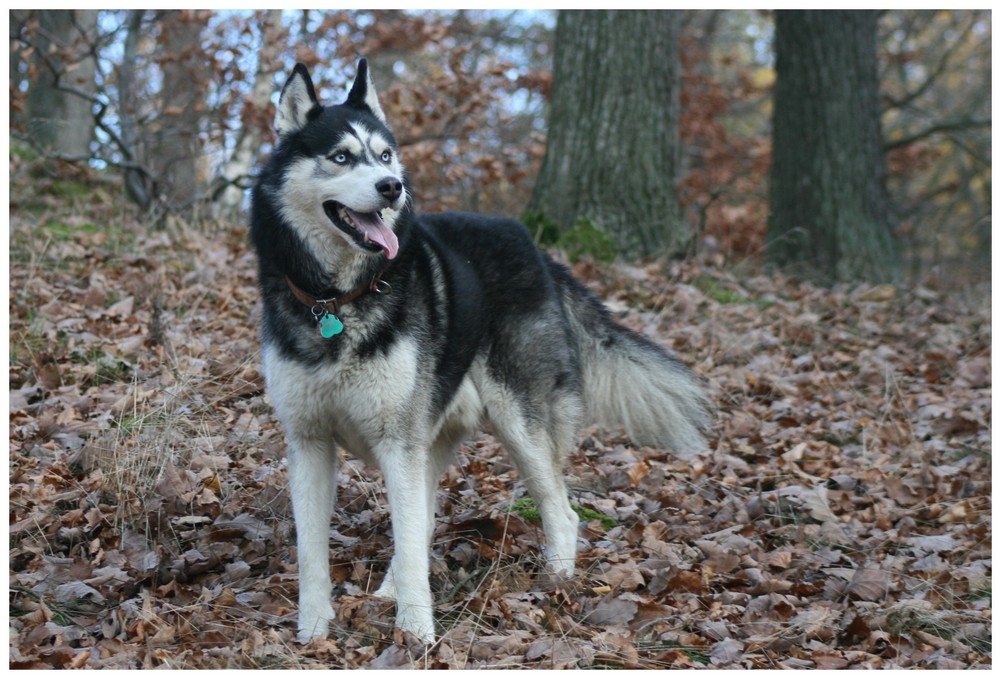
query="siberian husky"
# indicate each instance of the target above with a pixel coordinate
(394, 335)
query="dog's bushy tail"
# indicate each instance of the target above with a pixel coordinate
(631, 382)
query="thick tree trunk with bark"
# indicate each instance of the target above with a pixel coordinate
(829, 216)
(139, 186)
(175, 147)
(60, 115)
(612, 147)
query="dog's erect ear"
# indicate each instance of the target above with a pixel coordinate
(363, 93)
(298, 103)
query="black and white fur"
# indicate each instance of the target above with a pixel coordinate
(480, 326)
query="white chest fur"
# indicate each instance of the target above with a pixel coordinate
(356, 402)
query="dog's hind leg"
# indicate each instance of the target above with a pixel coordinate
(537, 448)
(406, 471)
(312, 475)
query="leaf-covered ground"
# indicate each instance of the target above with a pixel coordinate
(841, 519)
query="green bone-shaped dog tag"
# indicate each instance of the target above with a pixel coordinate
(330, 326)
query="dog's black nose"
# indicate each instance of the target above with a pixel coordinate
(389, 188)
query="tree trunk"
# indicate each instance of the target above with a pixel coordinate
(138, 185)
(829, 217)
(176, 147)
(611, 154)
(61, 120)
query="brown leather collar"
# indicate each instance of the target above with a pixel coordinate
(377, 285)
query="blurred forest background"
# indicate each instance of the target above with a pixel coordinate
(176, 107)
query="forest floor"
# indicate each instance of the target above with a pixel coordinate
(842, 517)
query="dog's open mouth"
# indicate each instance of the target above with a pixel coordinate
(366, 229)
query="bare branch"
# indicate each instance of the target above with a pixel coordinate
(956, 125)
(943, 64)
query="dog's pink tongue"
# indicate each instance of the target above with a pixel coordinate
(372, 225)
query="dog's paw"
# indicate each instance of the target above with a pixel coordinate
(419, 622)
(304, 635)
(388, 588)
(563, 568)
(314, 623)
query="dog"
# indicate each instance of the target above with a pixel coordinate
(395, 335)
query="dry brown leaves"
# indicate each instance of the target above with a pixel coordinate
(840, 520)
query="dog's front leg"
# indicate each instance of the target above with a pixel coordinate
(406, 475)
(441, 455)
(312, 474)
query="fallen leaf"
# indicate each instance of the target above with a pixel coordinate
(868, 584)
(611, 611)
(726, 651)
(77, 590)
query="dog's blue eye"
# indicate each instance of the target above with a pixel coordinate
(339, 158)
(386, 156)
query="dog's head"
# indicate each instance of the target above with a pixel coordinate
(342, 173)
